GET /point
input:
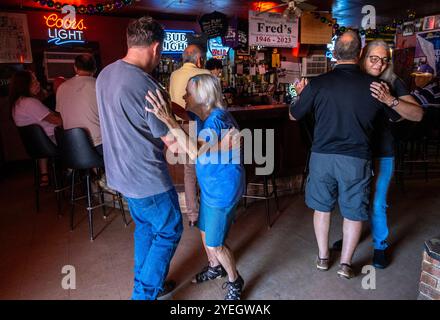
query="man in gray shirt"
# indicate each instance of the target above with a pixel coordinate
(133, 142)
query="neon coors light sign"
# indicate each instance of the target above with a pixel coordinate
(65, 30)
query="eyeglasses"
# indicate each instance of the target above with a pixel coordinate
(375, 59)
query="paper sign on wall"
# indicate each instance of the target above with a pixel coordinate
(15, 45)
(270, 29)
(239, 68)
(290, 72)
(252, 71)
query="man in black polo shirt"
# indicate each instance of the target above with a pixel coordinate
(340, 163)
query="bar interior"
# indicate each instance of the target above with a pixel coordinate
(102, 200)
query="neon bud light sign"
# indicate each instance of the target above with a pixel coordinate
(65, 30)
(175, 41)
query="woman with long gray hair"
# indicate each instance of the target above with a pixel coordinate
(375, 60)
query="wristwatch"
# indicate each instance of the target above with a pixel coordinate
(394, 103)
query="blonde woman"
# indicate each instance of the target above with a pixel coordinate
(221, 182)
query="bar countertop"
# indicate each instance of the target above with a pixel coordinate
(257, 108)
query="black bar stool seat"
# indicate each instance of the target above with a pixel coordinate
(39, 146)
(78, 153)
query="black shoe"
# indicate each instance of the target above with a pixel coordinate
(209, 273)
(380, 259)
(168, 286)
(234, 289)
(337, 246)
(192, 223)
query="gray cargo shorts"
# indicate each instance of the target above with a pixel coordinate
(334, 177)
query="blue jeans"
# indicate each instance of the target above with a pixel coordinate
(383, 172)
(158, 229)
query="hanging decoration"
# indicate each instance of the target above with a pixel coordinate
(106, 6)
(383, 31)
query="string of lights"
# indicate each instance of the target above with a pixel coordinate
(372, 33)
(106, 6)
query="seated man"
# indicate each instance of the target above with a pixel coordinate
(76, 100)
(427, 92)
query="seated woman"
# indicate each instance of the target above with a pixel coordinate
(219, 172)
(27, 110)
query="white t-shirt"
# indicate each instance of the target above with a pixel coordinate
(76, 102)
(29, 111)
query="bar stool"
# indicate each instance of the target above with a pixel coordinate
(262, 180)
(252, 179)
(78, 154)
(411, 150)
(306, 128)
(39, 146)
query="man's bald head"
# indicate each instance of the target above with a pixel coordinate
(193, 54)
(348, 46)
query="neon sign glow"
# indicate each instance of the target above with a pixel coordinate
(175, 41)
(54, 21)
(216, 49)
(65, 30)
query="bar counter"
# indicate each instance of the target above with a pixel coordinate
(290, 142)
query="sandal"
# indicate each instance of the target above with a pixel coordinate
(44, 180)
(322, 264)
(345, 271)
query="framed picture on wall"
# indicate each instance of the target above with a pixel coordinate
(418, 25)
(408, 28)
(429, 23)
(15, 44)
(437, 22)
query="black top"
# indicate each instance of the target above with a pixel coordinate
(383, 140)
(344, 111)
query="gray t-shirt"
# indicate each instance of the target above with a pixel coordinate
(133, 151)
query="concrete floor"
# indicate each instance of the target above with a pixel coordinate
(276, 263)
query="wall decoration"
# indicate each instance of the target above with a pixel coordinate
(429, 23)
(428, 45)
(15, 45)
(175, 41)
(272, 30)
(418, 25)
(408, 28)
(214, 24)
(64, 30)
(437, 22)
(216, 49)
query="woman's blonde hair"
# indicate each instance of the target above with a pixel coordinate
(388, 74)
(208, 91)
